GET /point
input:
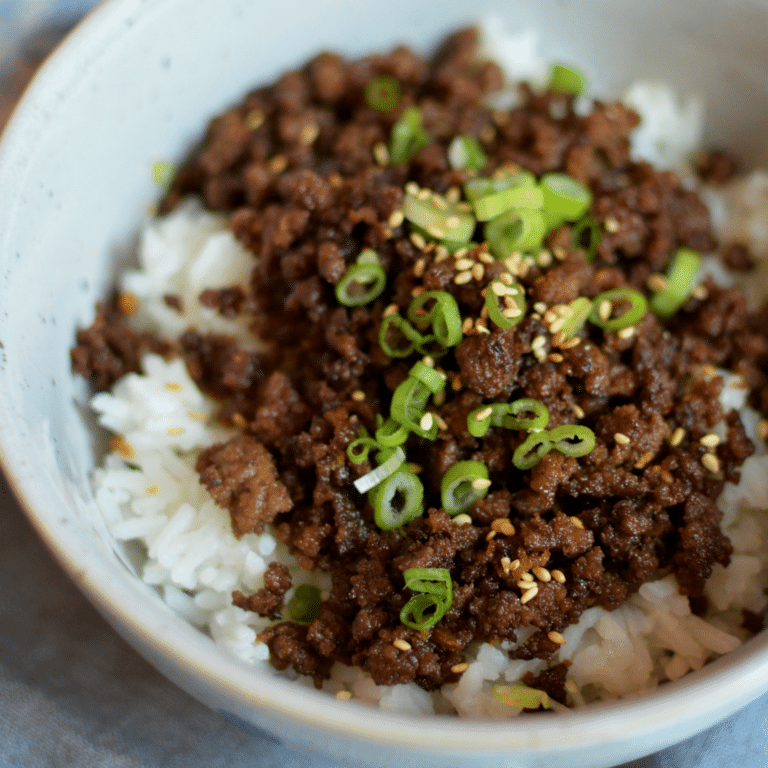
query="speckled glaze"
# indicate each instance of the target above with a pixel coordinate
(135, 84)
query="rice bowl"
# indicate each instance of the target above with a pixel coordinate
(618, 756)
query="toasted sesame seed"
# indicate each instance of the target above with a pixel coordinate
(700, 292)
(462, 264)
(558, 576)
(402, 645)
(559, 253)
(128, 303)
(427, 420)
(358, 395)
(412, 188)
(478, 271)
(657, 282)
(677, 437)
(480, 483)
(456, 384)
(666, 476)
(762, 429)
(529, 595)
(480, 328)
(466, 326)
(511, 312)
(239, 420)
(428, 360)
(711, 462)
(424, 194)
(311, 131)
(503, 526)
(542, 574)
(254, 119)
(611, 225)
(417, 290)
(457, 669)
(538, 342)
(197, 415)
(555, 357)
(708, 370)
(514, 565)
(439, 202)
(461, 253)
(278, 164)
(626, 333)
(605, 309)
(173, 386)
(441, 423)
(435, 231)
(452, 222)
(441, 254)
(571, 343)
(484, 414)
(462, 278)
(418, 240)
(621, 438)
(544, 259)
(491, 535)
(486, 257)
(557, 325)
(644, 460)
(578, 411)
(453, 195)
(396, 218)
(710, 440)
(176, 431)
(392, 309)
(556, 637)
(525, 585)
(506, 565)
(462, 519)
(343, 695)
(540, 307)
(419, 267)
(527, 577)
(576, 522)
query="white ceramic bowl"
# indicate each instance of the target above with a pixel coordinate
(136, 83)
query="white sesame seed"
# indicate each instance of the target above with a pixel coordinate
(358, 395)
(626, 333)
(427, 420)
(556, 637)
(480, 483)
(506, 565)
(176, 431)
(527, 577)
(418, 240)
(463, 278)
(343, 695)
(611, 225)
(529, 595)
(484, 414)
(457, 669)
(558, 576)
(462, 519)
(558, 325)
(478, 270)
(540, 307)
(462, 264)
(419, 267)
(710, 440)
(439, 202)
(392, 309)
(424, 194)
(526, 585)
(542, 574)
(644, 460)
(396, 218)
(453, 195)
(515, 564)
(254, 119)
(511, 312)
(466, 326)
(452, 222)
(621, 438)
(538, 342)
(657, 282)
(605, 309)
(412, 188)
(402, 645)
(435, 231)
(578, 411)
(677, 437)
(711, 462)
(576, 522)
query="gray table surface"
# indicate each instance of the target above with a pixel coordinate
(74, 694)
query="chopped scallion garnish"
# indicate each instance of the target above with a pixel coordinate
(460, 488)
(434, 601)
(305, 604)
(572, 439)
(521, 696)
(526, 413)
(580, 308)
(587, 234)
(397, 500)
(681, 277)
(535, 447)
(565, 196)
(443, 315)
(363, 282)
(566, 79)
(514, 307)
(383, 93)
(383, 471)
(519, 230)
(391, 434)
(605, 303)
(441, 223)
(466, 152)
(408, 136)
(414, 340)
(408, 407)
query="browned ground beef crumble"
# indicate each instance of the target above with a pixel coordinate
(294, 168)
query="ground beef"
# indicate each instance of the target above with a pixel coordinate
(301, 169)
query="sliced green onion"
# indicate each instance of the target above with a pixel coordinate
(460, 488)
(391, 434)
(363, 282)
(565, 196)
(415, 339)
(358, 450)
(521, 696)
(566, 79)
(408, 407)
(383, 93)
(516, 415)
(478, 427)
(494, 204)
(305, 604)
(519, 230)
(383, 471)
(163, 173)
(572, 439)
(397, 500)
(603, 319)
(443, 315)
(536, 446)
(681, 277)
(510, 315)
(474, 189)
(581, 308)
(591, 227)
(408, 136)
(449, 223)
(552, 220)
(426, 609)
(466, 152)
(433, 380)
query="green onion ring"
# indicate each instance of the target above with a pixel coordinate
(383, 495)
(444, 316)
(384, 470)
(365, 444)
(631, 316)
(581, 308)
(416, 339)
(564, 78)
(363, 282)
(494, 204)
(447, 223)
(590, 225)
(565, 196)
(436, 590)
(391, 434)
(408, 406)
(474, 189)
(497, 314)
(408, 136)
(519, 230)
(536, 423)
(536, 446)
(383, 93)
(465, 152)
(681, 277)
(521, 696)
(433, 380)
(456, 488)
(305, 604)
(573, 439)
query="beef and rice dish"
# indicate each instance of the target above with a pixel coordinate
(476, 386)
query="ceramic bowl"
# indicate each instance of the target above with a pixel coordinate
(136, 82)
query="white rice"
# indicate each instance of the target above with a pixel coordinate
(149, 492)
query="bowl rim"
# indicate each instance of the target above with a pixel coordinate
(187, 647)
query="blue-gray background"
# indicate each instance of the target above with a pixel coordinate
(74, 695)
